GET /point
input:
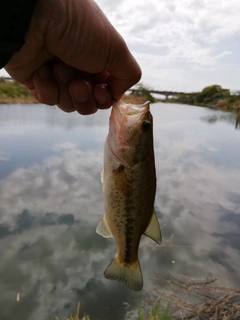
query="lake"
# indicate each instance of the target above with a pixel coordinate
(51, 201)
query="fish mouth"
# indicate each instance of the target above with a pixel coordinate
(126, 134)
(129, 109)
(122, 112)
(128, 113)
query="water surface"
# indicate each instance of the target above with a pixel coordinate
(51, 202)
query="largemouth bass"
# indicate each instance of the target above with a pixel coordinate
(129, 186)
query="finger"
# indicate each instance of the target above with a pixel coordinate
(103, 96)
(103, 50)
(43, 86)
(82, 97)
(64, 74)
(101, 77)
(124, 73)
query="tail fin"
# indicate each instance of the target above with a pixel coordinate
(131, 275)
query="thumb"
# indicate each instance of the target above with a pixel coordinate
(92, 45)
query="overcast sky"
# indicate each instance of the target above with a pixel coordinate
(181, 45)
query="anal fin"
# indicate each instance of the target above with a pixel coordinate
(103, 229)
(153, 230)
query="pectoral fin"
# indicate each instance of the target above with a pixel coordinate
(103, 229)
(153, 230)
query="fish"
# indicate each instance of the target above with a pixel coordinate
(129, 186)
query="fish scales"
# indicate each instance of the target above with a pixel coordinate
(129, 185)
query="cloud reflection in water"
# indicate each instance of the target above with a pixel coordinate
(49, 214)
(49, 210)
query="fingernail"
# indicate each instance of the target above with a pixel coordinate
(101, 94)
(44, 72)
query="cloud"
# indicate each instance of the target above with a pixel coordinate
(67, 145)
(52, 268)
(72, 177)
(49, 247)
(191, 34)
(223, 54)
(3, 73)
(182, 44)
(3, 156)
(51, 254)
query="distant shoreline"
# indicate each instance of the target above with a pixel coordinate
(222, 105)
(131, 98)
(18, 100)
(12, 92)
(28, 99)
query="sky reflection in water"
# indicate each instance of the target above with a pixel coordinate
(51, 201)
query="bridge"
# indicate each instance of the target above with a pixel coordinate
(139, 91)
(164, 93)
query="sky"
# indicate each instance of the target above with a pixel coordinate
(182, 45)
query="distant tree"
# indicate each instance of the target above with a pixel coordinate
(186, 98)
(212, 93)
(235, 96)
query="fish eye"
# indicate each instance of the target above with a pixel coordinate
(146, 125)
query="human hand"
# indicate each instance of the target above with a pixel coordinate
(73, 57)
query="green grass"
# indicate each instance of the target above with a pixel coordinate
(13, 89)
(76, 316)
(158, 312)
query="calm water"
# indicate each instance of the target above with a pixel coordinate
(51, 202)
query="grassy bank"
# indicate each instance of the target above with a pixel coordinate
(157, 312)
(212, 96)
(191, 299)
(14, 92)
(225, 104)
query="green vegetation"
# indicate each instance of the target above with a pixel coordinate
(140, 95)
(209, 96)
(12, 89)
(76, 316)
(158, 312)
(145, 92)
(213, 96)
(14, 92)
(188, 298)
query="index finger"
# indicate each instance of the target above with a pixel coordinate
(124, 70)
